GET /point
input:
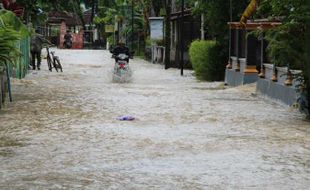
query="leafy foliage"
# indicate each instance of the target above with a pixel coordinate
(285, 47)
(9, 19)
(287, 43)
(8, 50)
(38, 10)
(11, 31)
(217, 13)
(206, 58)
(120, 11)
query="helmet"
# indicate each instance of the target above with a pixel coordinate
(121, 42)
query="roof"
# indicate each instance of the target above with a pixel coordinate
(252, 25)
(178, 14)
(71, 19)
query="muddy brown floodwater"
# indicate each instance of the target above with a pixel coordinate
(61, 132)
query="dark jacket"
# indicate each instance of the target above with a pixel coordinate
(36, 43)
(68, 37)
(121, 49)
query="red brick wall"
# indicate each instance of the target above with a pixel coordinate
(63, 29)
(77, 39)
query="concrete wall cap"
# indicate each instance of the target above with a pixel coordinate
(242, 60)
(268, 65)
(296, 71)
(282, 69)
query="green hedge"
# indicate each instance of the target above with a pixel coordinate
(207, 60)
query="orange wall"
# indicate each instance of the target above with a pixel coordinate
(77, 39)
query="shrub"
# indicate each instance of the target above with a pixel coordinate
(207, 60)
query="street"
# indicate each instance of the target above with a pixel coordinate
(61, 131)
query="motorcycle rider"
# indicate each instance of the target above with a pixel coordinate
(119, 49)
(68, 40)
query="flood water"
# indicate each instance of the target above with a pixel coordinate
(62, 132)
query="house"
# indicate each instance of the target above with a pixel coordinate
(247, 52)
(84, 34)
(92, 35)
(58, 23)
(190, 32)
(249, 63)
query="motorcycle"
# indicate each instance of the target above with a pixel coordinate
(68, 44)
(122, 72)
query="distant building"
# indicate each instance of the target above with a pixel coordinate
(190, 32)
(247, 52)
(58, 23)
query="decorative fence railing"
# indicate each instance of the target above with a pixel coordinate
(249, 63)
(278, 83)
(21, 66)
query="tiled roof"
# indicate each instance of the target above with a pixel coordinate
(71, 19)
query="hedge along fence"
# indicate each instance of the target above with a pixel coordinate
(14, 50)
(206, 58)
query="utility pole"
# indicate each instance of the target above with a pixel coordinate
(229, 65)
(182, 38)
(168, 4)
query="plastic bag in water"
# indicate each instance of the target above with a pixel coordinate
(126, 118)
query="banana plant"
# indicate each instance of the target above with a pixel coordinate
(8, 50)
(249, 11)
(10, 20)
(11, 30)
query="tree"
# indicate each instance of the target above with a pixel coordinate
(11, 31)
(217, 14)
(157, 6)
(287, 43)
(36, 11)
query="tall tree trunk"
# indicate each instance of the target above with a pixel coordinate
(202, 26)
(92, 10)
(168, 5)
(156, 7)
(146, 15)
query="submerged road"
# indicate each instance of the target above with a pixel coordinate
(61, 132)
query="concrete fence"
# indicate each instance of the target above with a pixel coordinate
(278, 83)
